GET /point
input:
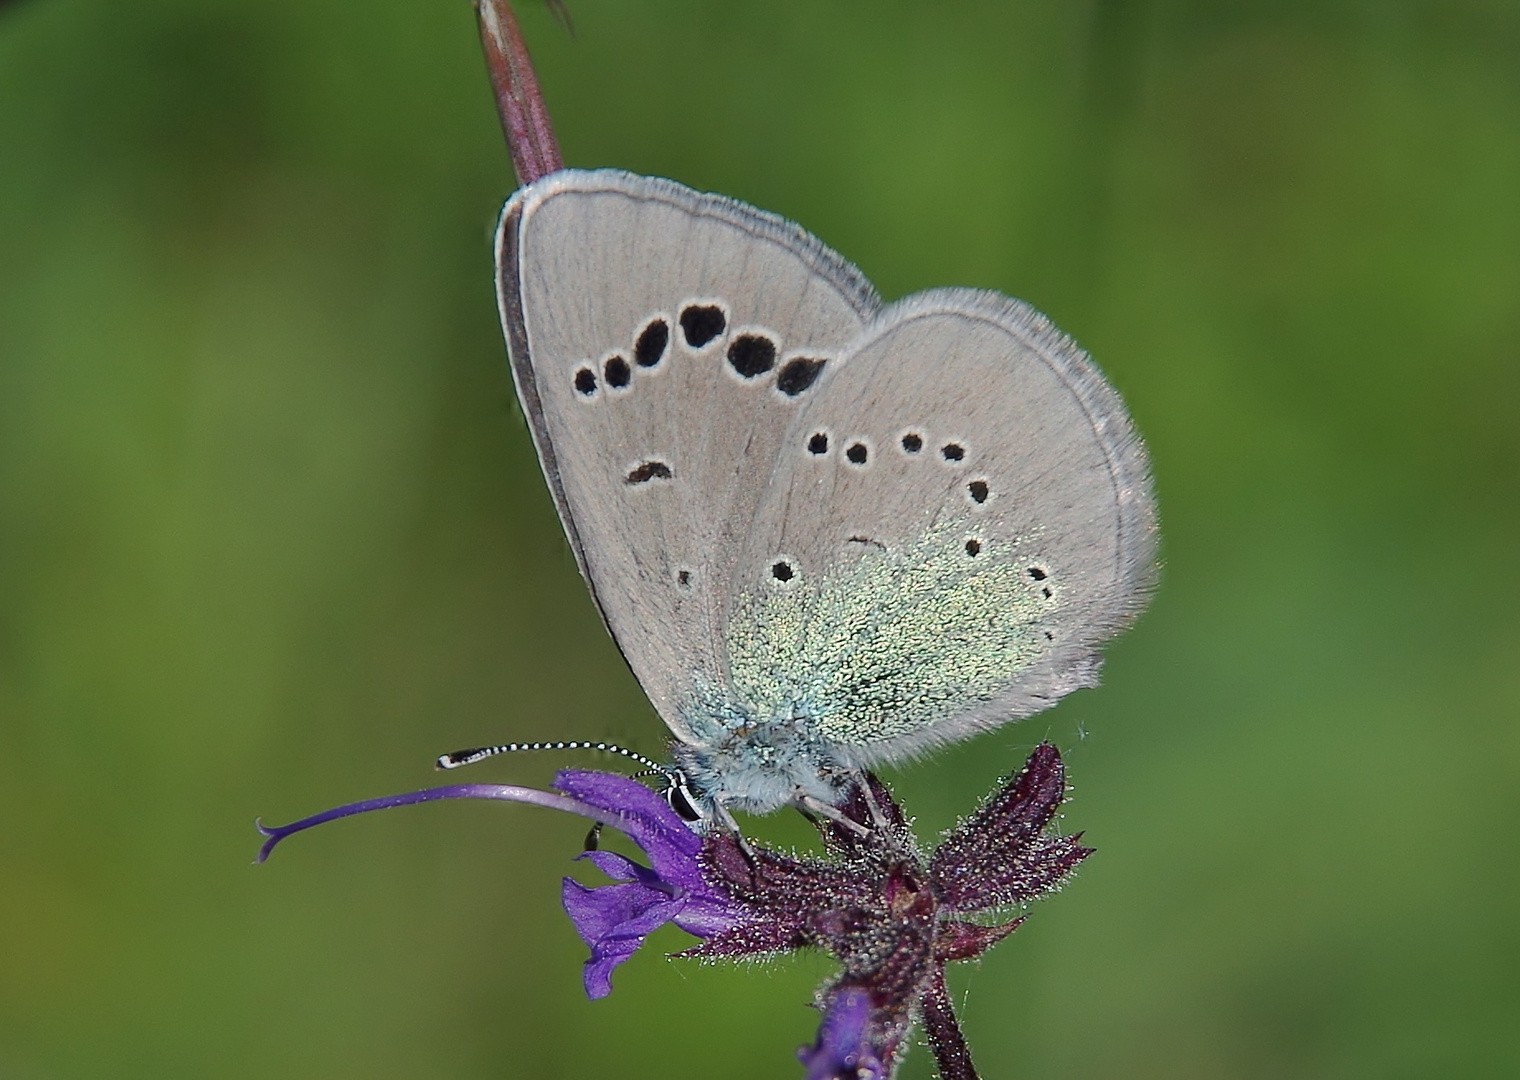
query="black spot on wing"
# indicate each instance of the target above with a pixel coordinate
(617, 372)
(652, 342)
(797, 374)
(752, 355)
(649, 470)
(701, 323)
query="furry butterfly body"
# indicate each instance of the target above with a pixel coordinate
(825, 532)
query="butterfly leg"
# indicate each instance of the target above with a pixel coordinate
(810, 805)
(726, 819)
(878, 817)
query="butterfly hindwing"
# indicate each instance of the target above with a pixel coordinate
(958, 517)
(662, 342)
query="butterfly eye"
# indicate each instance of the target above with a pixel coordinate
(680, 801)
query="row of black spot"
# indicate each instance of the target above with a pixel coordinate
(750, 354)
(818, 443)
(857, 453)
(648, 351)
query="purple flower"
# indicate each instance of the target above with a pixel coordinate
(892, 917)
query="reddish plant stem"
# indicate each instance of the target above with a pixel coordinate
(519, 102)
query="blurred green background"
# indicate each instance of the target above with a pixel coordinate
(272, 535)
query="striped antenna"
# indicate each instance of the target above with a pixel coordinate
(480, 753)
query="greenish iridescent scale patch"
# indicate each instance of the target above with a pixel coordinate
(894, 642)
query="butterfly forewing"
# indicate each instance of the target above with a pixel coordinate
(662, 343)
(958, 517)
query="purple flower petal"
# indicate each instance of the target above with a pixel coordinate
(843, 1050)
(621, 868)
(503, 792)
(614, 920)
(645, 817)
(605, 912)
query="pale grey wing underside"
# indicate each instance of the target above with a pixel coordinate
(958, 518)
(662, 342)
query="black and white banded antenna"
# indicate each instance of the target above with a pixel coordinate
(677, 789)
(480, 753)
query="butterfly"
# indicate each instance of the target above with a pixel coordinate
(826, 532)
